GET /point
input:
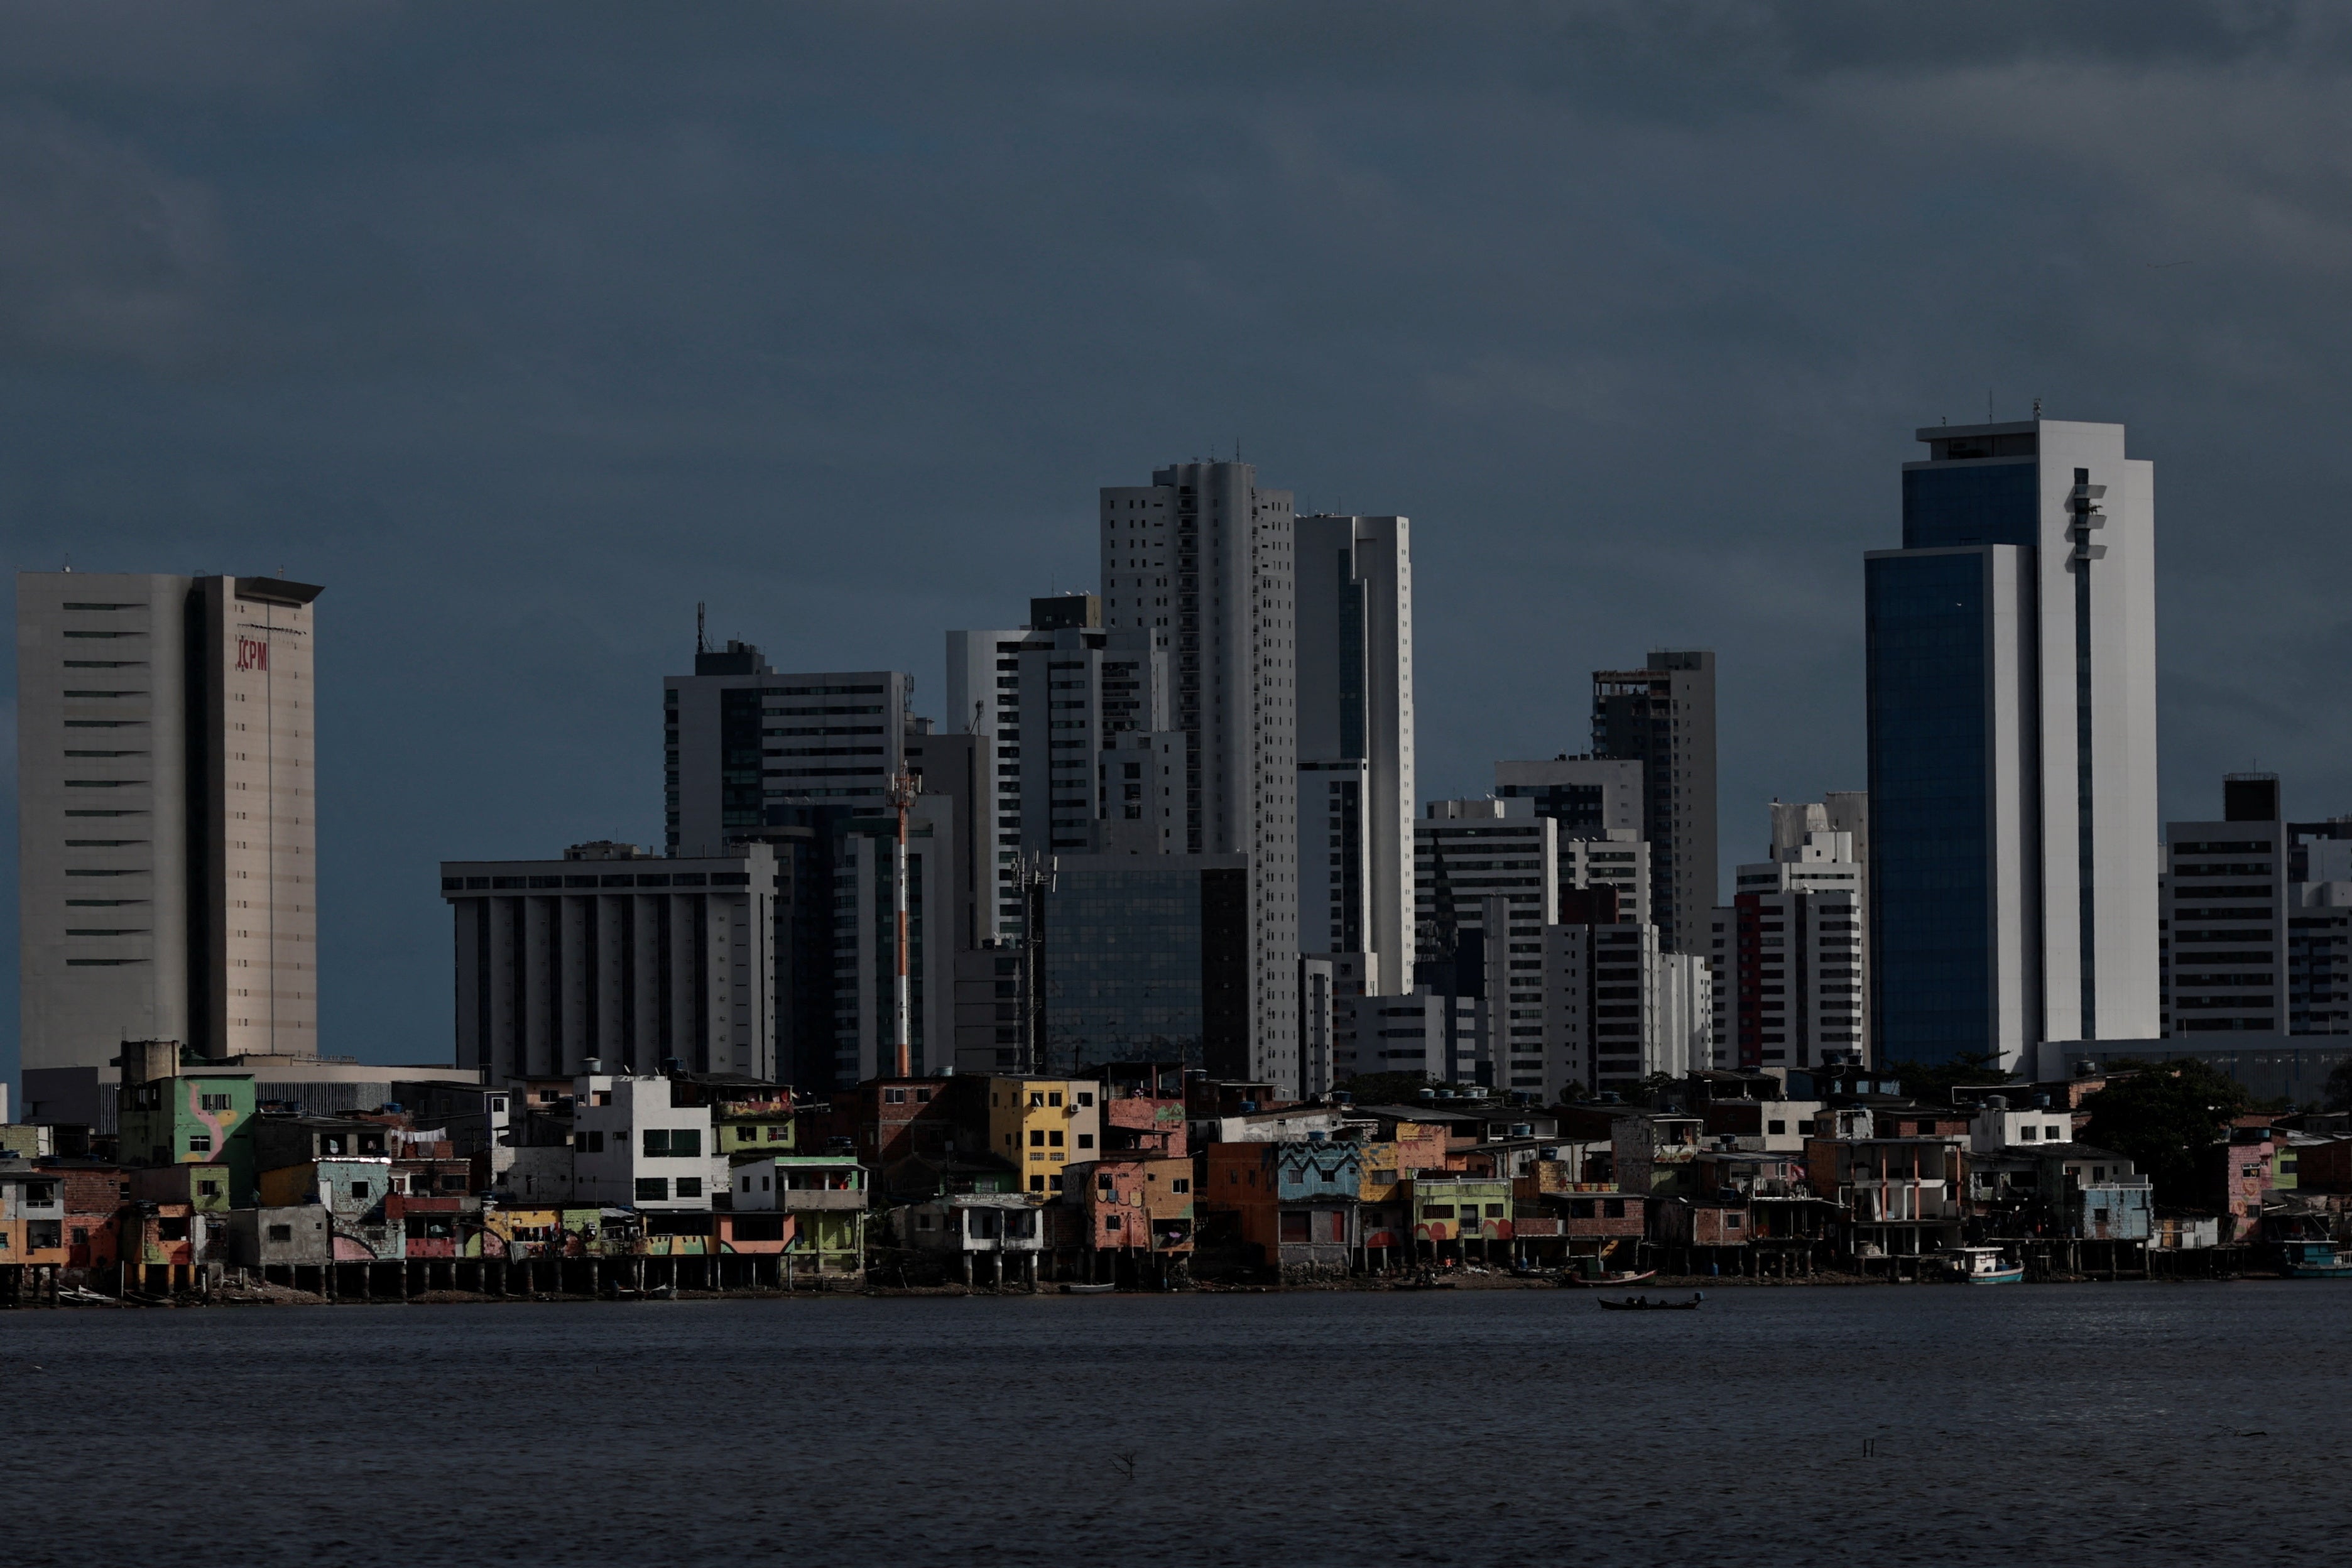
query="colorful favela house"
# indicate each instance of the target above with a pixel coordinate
(1130, 1219)
(175, 1120)
(1297, 1202)
(825, 1196)
(1452, 1215)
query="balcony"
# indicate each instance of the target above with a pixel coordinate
(815, 1199)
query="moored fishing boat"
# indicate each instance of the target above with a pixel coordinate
(1984, 1265)
(2314, 1260)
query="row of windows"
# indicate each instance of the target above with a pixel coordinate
(607, 879)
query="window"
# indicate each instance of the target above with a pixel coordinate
(1086, 1139)
(894, 1097)
(1181, 1184)
(2031, 1132)
(1293, 1227)
(1037, 1184)
(689, 1186)
(1054, 1137)
(1037, 1139)
(673, 1143)
(200, 1142)
(214, 1101)
(1612, 1208)
(1494, 1211)
(174, 1228)
(1730, 1221)
(1437, 1211)
(1055, 1100)
(208, 1189)
(590, 1142)
(359, 1189)
(1086, 1097)
(1037, 1101)
(1776, 1127)
(653, 1189)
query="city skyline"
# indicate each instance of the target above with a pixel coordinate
(520, 469)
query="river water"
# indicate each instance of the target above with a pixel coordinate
(2094, 1424)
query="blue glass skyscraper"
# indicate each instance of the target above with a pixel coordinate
(2012, 746)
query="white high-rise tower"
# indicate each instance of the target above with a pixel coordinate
(1355, 742)
(1206, 555)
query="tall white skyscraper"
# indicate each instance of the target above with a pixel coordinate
(1206, 555)
(167, 817)
(1355, 741)
(2012, 745)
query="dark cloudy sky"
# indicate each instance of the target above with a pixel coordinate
(523, 327)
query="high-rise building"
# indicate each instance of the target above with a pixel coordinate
(2012, 746)
(1051, 698)
(1845, 811)
(167, 796)
(2226, 897)
(1596, 804)
(2319, 927)
(1145, 959)
(1485, 877)
(1617, 1008)
(1205, 554)
(1794, 969)
(865, 942)
(614, 959)
(743, 745)
(1663, 716)
(1468, 852)
(1354, 637)
(1788, 957)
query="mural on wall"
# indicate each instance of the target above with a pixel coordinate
(218, 1117)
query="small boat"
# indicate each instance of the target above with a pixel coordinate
(1643, 1304)
(1088, 1289)
(2314, 1260)
(1608, 1281)
(1984, 1265)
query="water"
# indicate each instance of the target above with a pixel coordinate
(2126, 1424)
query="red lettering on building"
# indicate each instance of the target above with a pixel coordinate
(252, 654)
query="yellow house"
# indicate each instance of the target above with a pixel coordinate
(1388, 1163)
(1044, 1124)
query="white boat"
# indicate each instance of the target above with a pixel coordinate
(1984, 1265)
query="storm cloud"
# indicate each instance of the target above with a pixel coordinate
(525, 329)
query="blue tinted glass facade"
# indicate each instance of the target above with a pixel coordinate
(1930, 814)
(1972, 503)
(1123, 974)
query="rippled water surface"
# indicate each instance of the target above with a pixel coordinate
(2126, 1424)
